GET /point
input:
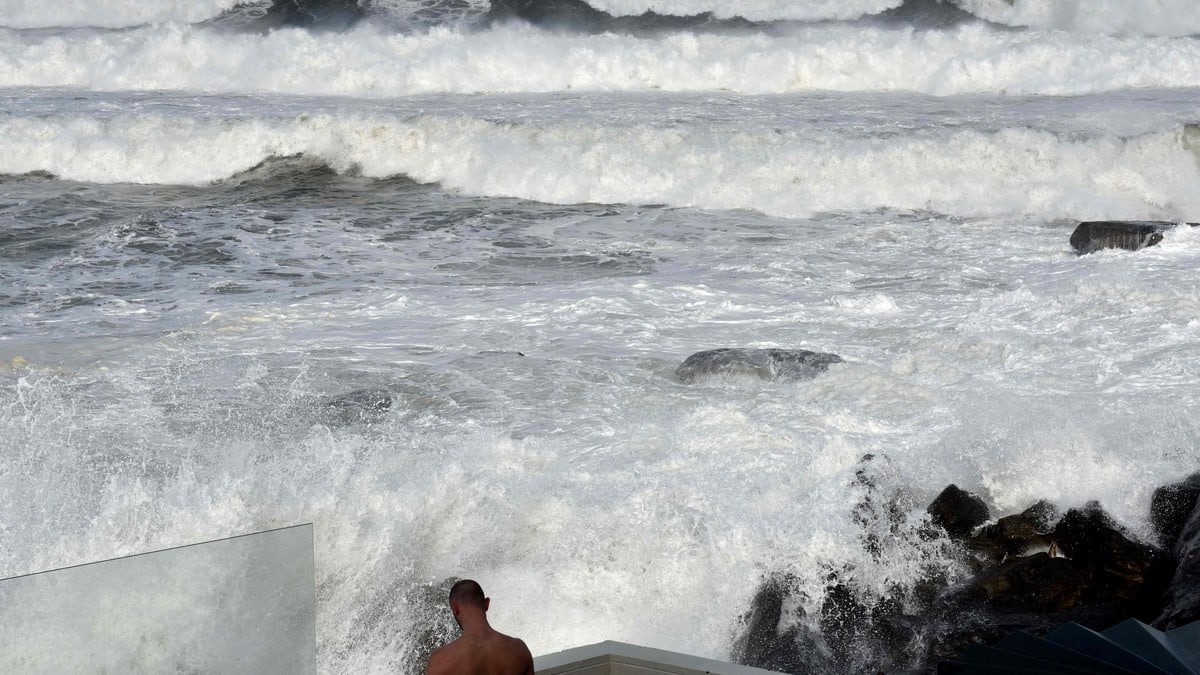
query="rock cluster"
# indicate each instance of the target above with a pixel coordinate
(1030, 571)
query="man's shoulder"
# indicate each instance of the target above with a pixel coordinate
(441, 661)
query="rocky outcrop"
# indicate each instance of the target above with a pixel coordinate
(766, 364)
(1029, 571)
(1130, 235)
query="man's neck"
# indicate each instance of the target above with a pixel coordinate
(474, 624)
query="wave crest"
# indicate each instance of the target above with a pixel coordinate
(782, 172)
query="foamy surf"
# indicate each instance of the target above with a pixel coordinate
(772, 163)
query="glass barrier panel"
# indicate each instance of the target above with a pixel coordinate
(240, 605)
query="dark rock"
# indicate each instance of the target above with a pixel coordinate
(1130, 235)
(958, 512)
(1183, 595)
(767, 364)
(1037, 583)
(1170, 507)
(1105, 577)
(1125, 571)
(1015, 535)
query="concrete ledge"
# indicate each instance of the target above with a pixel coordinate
(619, 658)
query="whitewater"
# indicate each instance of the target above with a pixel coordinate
(213, 229)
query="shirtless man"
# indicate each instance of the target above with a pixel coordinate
(480, 650)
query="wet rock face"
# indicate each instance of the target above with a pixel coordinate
(1125, 572)
(1183, 597)
(766, 364)
(763, 644)
(958, 512)
(1170, 507)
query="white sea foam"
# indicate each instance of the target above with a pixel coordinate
(516, 58)
(107, 13)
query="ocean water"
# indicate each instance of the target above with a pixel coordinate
(212, 232)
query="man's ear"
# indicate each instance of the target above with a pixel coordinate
(454, 607)
(487, 602)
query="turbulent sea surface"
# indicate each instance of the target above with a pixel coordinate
(210, 229)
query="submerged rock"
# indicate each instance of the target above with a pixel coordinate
(361, 405)
(766, 364)
(1130, 235)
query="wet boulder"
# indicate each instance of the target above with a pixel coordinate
(958, 512)
(766, 364)
(1183, 594)
(1015, 535)
(1130, 235)
(1170, 507)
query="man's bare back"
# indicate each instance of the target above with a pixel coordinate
(480, 650)
(494, 654)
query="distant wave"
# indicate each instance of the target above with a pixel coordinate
(371, 62)
(782, 172)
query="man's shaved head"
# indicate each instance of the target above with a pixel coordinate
(467, 592)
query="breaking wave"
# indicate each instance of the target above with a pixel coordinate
(787, 172)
